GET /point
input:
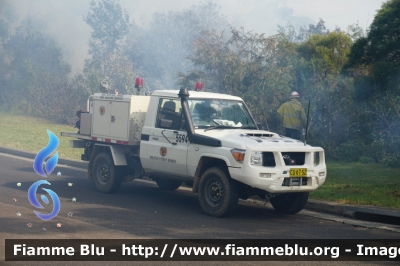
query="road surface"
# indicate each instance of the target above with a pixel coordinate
(141, 210)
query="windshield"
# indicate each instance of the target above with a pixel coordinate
(207, 113)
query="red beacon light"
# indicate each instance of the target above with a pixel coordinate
(139, 83)
(198, 86)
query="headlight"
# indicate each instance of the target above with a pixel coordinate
(238, 155)
(316, 158)
(256, 158)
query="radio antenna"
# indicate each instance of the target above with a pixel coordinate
(308, 115)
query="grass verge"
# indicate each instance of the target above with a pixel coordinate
(350, 183)
(30, 134)
(361, 184)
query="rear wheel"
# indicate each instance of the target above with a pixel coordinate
(218, 194)
(168, 184)
(105, 174)
(290, 203)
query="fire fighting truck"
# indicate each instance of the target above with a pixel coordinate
(209, 140)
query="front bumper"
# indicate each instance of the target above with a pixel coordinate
(277, 179)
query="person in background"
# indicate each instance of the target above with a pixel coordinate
(78, 123)
(293, 117)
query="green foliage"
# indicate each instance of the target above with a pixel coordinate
(263, 71)
(116, 69)
(110, 25)
(352, 79)
(379, 52)
(317, 67)
(355, 32)
(245, 64)
(36, 68)
(36, 79)
(374, 64)
(384, 36)
(304, 33)
(66, 99)
(366, 160)
(160, 49)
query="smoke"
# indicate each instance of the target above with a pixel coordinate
(64, 19)
(262, 16)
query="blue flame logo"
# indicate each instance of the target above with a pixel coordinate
(32, 198)
(44, 153)
(49, 167)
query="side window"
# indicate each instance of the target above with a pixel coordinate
(169, 115)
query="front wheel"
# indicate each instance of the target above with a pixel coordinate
(218, 194)
(289, 203)
(168, 184)
(105, 175)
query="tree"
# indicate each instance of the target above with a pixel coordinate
(374, 63)
(304, 33)
(160, 49)
(246, 64)
(118, 72)
(318, 29)
(37, 81)
(110, 24)
(355, 32)
(37, 65)
(264, 70)
(317, 68)
(375, 59)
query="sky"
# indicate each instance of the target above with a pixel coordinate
(64, 18)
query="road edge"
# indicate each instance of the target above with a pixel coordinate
(360, 212)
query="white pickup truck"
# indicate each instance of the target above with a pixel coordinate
(207, 140)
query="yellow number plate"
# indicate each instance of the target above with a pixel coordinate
(298, 172)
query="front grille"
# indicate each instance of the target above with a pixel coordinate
(268, 159)
(293, 158)
(294, 182)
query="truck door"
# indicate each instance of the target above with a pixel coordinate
(168, 141)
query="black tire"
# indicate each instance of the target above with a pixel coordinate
(218, 193)
(168, 184)
(105, 174)
(290, 203)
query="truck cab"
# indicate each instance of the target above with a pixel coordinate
(207, 140)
